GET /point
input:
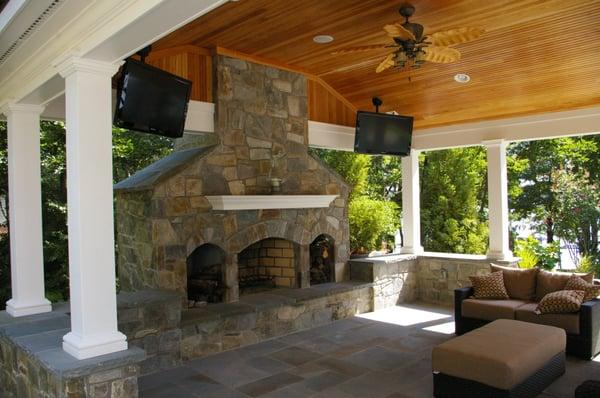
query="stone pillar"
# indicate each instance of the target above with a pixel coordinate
(303, 268)
(411, 206)
(90, 209)
(498, 200)
(232, 283)
(25, 211)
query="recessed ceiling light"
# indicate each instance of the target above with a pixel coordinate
(462, 78)
(323, 39)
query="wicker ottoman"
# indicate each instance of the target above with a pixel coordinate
(505, 358)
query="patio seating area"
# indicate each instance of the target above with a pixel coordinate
(386, 353)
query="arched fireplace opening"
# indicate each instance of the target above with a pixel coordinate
(322, 260)
(205, 279)
(267, 264)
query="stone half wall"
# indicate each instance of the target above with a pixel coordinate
(261, 130)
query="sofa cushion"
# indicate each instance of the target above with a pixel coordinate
(501, 354)
(577, 283)
(561, 302)
(548, 282)
(490, 286)
(519, 283)
(490, 310)
(568, 322)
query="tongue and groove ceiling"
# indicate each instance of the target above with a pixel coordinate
(535, 57)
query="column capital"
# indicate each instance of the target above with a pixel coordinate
(69, 65)
(16, 107)
(495, 143)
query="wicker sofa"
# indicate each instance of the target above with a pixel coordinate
(582, 328)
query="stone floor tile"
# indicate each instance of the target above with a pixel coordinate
(308, 369)
(324, 380)
(294, 391)
(378, 358)
(166, 390)
(267, 364)
(320, 344)
(260, 349)
(295, 355)
(231, 375)
(343, 367)
(269, 384)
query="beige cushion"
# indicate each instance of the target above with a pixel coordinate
(568, 322)
(561, 302)
(548, 282)
(519, 283)
(500, 354)
(490, 310)
(490, 286)
(577, 283)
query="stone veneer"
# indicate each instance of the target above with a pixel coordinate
(261, 130)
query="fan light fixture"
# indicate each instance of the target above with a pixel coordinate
(323, 39)
(462, 78)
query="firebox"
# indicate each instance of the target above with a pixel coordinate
(205, 267)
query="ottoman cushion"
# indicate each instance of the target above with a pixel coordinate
(500, 354)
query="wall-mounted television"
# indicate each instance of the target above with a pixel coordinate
(151, 100)
(383, 134)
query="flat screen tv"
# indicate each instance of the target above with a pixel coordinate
(383, 134)
(151, 100)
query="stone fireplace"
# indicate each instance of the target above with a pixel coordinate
(170, 234)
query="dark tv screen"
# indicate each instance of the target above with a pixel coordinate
(383, 134)
(151, 100)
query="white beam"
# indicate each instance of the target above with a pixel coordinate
(497, 200)
(411, 205)
(525, 128)
(25, 211)
(90, 210)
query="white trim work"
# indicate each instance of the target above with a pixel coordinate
(525, 128)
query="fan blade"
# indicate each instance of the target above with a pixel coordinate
(454, 36)
(441, 55)
(398, 31)
(359, 49)
(387, 63)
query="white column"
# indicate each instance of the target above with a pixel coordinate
(497, 199)
(25, 211)
(411, 206)
(90, 209)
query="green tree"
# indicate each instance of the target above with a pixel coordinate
(454, 200)
(538, 160)
(577, 211)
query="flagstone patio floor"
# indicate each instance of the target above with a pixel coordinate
(383, 354)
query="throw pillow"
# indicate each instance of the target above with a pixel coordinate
(519, 283)
(560, 302)
(489, 286)
(548, 282)
(577, 283)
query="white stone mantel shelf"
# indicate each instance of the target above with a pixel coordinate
(255, 202)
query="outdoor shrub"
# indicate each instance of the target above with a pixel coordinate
(371, 222)
(548, 256)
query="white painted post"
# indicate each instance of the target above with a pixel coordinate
(498, 200)
(411, 206)
(90, 209)
(25, 211)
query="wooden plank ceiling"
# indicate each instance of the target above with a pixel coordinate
(536, 55)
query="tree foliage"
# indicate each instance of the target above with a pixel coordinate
(454, 200)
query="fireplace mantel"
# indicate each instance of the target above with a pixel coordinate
(255, 202)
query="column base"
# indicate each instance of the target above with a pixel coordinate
(16, 309)
(493, 255)
(96, 345)
(411, 250)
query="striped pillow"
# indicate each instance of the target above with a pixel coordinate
(576, 283)
(490, 286)
(560, 302)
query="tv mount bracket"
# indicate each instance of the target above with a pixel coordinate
(377, 102)
(143, 53)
